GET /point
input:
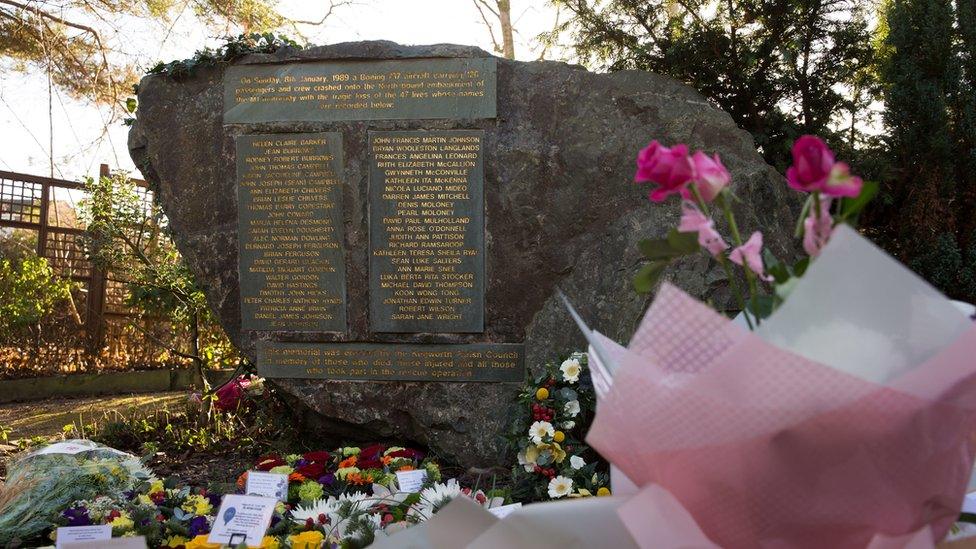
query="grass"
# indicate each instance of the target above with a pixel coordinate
(48, 418)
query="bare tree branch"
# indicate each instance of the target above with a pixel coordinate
(333, 4)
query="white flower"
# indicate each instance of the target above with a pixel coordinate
(576, 462)
(560, 487)
(569, 425)
(540, 429)
(571, 370)
(572, 408)
(437, 496)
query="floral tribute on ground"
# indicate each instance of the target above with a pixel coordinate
(553, 412)
(341, 498)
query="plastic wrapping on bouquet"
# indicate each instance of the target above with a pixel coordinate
(845, 419)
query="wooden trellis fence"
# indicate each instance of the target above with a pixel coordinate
(26, 203)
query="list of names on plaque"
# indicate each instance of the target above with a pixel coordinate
(361, 90)
(426, 231)
(291, 261)
(389, 362)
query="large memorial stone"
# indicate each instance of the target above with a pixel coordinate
(547, 202)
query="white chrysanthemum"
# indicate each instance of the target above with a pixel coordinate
(560, 487)
(539, 430)
(572, 408)
(571, 370)
(437, 496)
(327, 507)
(577, 462)
(569, 425)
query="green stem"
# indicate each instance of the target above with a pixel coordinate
(816, 204)
(750, 276)
(720, 257)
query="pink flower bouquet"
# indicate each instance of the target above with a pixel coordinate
(843, 418)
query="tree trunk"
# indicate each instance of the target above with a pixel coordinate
(505, 18)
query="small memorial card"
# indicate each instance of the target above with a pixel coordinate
(242, 519)
(67, 535)
(505, 510)
(411, 481)
(269, 485)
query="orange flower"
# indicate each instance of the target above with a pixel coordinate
(406, 468)
(358, 478)
(296, 477)
(348, 462)
(242, 480)
(386, 460)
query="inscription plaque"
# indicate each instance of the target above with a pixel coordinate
(392, 362)
(426, 231)
(361, 90)
(291, 258)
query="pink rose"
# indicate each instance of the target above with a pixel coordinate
(671, 169)
(750, 255)
(817, 229)
(710, 177)
(693, 220)
(812, 164)
(841, 182)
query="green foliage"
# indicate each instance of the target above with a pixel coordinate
(29, 291)
(127, 236)
(662, 252)
(948, 266)
(779, 68)
(234, 48)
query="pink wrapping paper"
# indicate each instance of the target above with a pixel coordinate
(766, 448)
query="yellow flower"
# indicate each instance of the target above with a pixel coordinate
(197, 505)
(309, 539)
(122, 523)
(603, 491)
(144, 500)
(200, 542)
(581, 493)
(559, 436)
(270, 542)
(542, 393)
(175, 541)
(156, 486)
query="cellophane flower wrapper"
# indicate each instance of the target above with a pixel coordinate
(45, 481)
(847, 415)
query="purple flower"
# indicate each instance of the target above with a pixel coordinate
(275, 519)
(77, 516)
(301, 462)
(198, 526)
(327, 480)
(214, 499)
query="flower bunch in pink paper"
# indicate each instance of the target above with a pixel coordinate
(843, 417)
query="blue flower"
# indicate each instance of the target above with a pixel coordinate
(199, 526)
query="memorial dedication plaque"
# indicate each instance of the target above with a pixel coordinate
(389, 362)
(426, 231)
(291, 258)
(361, 90)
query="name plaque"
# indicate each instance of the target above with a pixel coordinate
(500, 362)
(291, 253)
(428, 88)
(426, 231)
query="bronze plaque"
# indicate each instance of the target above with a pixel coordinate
(457, 88)
(392, 362)
(291, 253)
(426, 231)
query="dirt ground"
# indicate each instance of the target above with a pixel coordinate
(47, 418)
